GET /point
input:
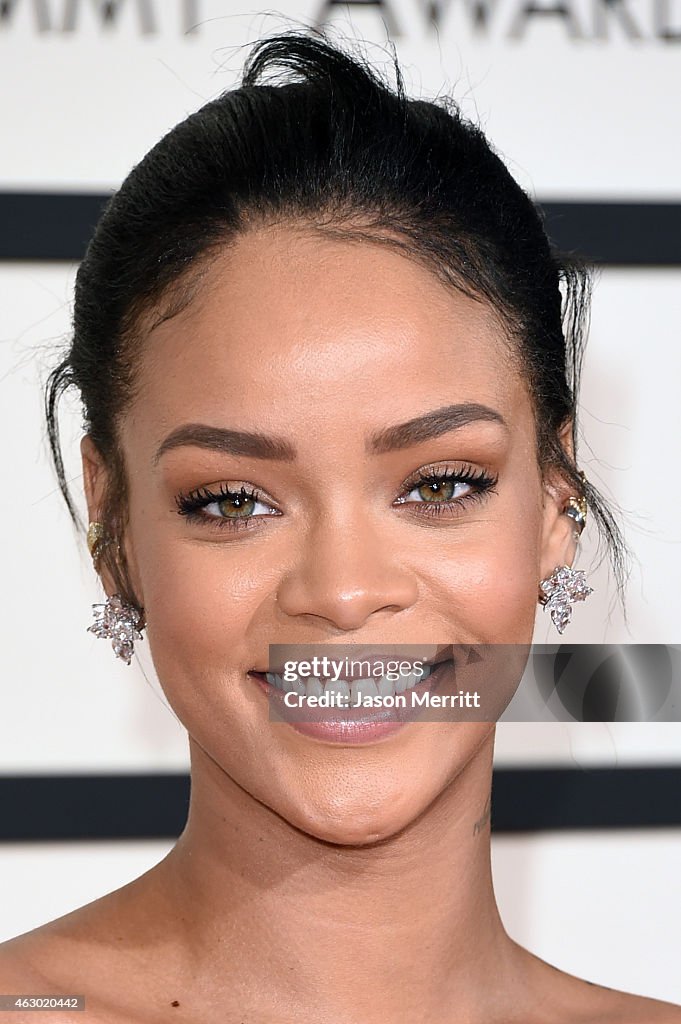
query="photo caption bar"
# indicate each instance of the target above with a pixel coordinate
(354, 686)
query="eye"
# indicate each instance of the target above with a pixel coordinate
(438, 491)
(226, 508)
(432, 491)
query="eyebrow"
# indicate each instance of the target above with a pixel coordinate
(266, 446)
(430, 425)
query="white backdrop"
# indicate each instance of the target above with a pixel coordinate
(580, 105)
(593, 114)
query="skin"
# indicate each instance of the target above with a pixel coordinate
(317, 881)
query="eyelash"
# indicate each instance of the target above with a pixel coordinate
(190, 504)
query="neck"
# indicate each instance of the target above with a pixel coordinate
(289, 920)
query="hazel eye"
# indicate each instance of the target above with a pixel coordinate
(237, 506)
(439, 490)
(226, 508)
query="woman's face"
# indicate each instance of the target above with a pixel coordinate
(354, 359)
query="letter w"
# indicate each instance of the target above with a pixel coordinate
(108, 13)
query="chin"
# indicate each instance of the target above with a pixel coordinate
(351, 832)
(347, 820)
(349, 803)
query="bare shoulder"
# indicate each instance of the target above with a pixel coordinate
(86, 953)
(17, 970)
(596, 1004)
(39, 953)
(624, 1008)
(22, 974)
(628, 1009)
(602, 1005)
(568, 999)
(22, 959)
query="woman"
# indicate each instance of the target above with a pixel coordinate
(329, 380)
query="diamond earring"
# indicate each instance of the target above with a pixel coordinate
(565, 585)
(560, 590)
(117, 620)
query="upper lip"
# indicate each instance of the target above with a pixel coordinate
(357, 653)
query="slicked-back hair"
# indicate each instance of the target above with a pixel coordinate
(313, 134)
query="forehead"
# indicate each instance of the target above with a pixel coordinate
(293, 319)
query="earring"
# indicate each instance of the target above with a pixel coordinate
(116, 620)
(97, 539)
(565, 585)
(560, 590)
(576, 508)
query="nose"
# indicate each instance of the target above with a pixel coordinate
(346, 572)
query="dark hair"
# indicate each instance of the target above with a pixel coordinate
(314, 134)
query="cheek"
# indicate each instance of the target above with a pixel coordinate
(489, 584)
(507, 589)
(203, 603)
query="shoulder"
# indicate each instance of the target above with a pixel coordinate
(112, 951)
(61, 959)
(596, 1004)
(20, 961)
(624, 1008)
(568, 999)
(21, 975)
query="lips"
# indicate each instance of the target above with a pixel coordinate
(350, 724)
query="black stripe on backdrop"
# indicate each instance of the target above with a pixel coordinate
(57, 226)
(78, 807)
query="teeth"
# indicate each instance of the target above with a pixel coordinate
(366, 687)
(339, 687)
(294, 685)
(362, 688)
(400, 683)
(313, 687)
(385, 687)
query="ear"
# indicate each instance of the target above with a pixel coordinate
(95, 477)
(560, 537)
